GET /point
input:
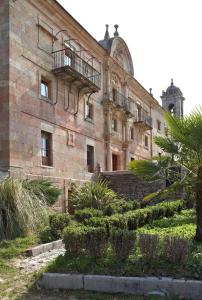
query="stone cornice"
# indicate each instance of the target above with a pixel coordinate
(65, 21)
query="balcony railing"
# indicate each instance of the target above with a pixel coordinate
(69, 65)
(121, 101)
(142, 118)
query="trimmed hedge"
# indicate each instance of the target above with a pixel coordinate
(133, 219)
(120, 206)
(122, 242)
(86, 213)
(74, 238)
(57, 223)
(80, 239)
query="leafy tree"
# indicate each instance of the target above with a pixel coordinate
(183, 149)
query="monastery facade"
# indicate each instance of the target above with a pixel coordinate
(67, 101)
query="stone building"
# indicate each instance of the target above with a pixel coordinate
(173, 100)
(67, 101)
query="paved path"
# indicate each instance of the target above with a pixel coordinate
(35, 263)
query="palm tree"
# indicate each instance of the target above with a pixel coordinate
(183, 148)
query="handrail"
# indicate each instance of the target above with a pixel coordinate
(143, 116)
(68, 58)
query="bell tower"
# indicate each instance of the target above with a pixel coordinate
(173, 100)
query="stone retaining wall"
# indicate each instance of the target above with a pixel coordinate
(130, 186)
(164, 286)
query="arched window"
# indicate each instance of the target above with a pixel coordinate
(171, 109)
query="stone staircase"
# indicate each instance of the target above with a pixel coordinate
(129, 186)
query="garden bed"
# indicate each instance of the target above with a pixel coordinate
(147, 263)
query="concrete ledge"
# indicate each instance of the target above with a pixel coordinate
(34, 251)
(165, 286)
(124, 172)
(61, 281)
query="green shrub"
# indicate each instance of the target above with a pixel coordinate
(86, 213)
(80, 239)
(149, 246)
(74, 238)
(120, 206)
(94, 195)
(133, 219)
(176, 250)
(148, 199)
(96, 241)
(43, 187)
(58, 222)
(21, 211)
(46, 235)
(122, 242)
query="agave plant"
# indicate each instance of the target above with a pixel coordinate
(94, 195)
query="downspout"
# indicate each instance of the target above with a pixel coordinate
(151, 136)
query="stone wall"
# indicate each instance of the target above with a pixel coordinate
(129, 186)
(4, 85)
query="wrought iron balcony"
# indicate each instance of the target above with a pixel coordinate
(119, 100)
(143, 120)
(68, 65)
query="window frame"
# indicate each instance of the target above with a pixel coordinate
(132, 136)
(146, 142)
(47, 159)
(114, 125)
(48, 84)
(159, 125)
(90, 160)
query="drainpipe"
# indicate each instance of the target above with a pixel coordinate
(151, 135)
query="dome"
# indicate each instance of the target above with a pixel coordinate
(173, 90)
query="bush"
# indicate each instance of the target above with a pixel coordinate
(46, 235)
(74, 238)
(21, 211)
(96, 241)
(149, 246)
(176, 250)
(87, 213)
(133, 219)
(43, 187)
(58, 222)
(120, 206)
(79, 239)
(94, 195)
(122, 242)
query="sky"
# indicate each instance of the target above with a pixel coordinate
(164, 38)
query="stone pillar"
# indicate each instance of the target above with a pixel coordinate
(125, 148)
(108, 139)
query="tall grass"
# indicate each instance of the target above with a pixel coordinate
(21, 210)
(93, 195)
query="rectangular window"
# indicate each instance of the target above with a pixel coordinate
(90, 159)
(158, 125)
(146, 141)
(46, 148)
(45, 89)
(114, 95)
(89, 111)
(139, 112)
(132, 133)
(114, 124)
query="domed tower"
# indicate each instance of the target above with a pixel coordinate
(173, 100)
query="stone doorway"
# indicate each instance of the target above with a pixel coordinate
(114, 162)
